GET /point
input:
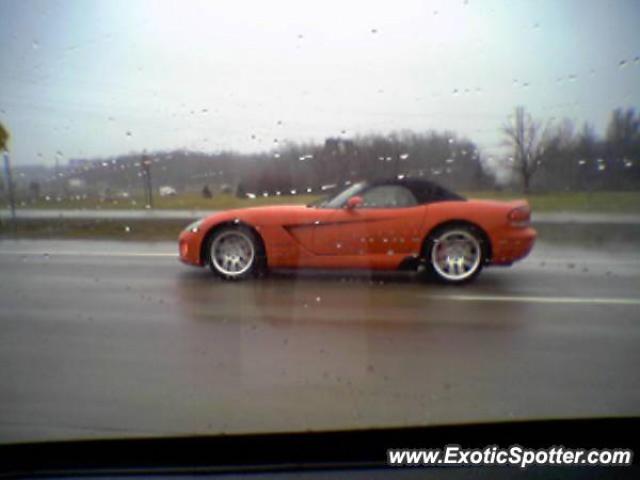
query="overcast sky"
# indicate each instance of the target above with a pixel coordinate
(89, 78)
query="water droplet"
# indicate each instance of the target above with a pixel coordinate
(622, 63)
(536, 26)
(35, 45)
(128, 133)
(318, 299)
(374, 30)
(127, 228)
(455, 92)
(435, 12)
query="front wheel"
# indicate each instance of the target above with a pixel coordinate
(455, 254)
(233, 253)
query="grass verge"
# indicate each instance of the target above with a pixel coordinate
(602, 202)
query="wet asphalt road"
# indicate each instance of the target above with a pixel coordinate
(107, 339)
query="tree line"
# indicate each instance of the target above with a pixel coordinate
(540, 156)
(559, 156)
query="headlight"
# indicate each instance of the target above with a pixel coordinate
(194, 227)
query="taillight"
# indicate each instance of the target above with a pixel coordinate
(520, 217)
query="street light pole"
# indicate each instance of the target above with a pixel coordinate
(12, 200)
(146, 169)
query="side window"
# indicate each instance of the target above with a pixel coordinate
(388, 196)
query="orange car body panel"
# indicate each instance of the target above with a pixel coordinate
(296, 236)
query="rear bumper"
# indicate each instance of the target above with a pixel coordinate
(511, 245)
(189, 248)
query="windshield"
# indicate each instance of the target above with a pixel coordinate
(160, 273)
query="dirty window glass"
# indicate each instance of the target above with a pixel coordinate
(176, 257)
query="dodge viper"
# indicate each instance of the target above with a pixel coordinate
(388, 224)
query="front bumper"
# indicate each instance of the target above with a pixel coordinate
(189, 246)
(512, 244)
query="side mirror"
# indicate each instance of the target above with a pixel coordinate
(354, 202)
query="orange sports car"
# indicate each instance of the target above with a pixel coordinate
(381, 225)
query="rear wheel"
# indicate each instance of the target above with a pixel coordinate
(233, 253)
(455, 254)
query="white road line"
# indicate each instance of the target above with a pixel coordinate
(90, 254)
(528, 299)
(577, 262)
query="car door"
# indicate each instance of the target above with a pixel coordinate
(388, 222)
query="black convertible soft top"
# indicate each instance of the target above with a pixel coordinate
(425, 191)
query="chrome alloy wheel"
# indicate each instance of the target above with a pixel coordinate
(232, 253)
(456, 255)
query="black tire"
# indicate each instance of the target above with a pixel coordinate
(231, 266)
(463, 268)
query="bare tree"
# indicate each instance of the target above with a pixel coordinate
(528, 138)
(4, 138)
(624, 127)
